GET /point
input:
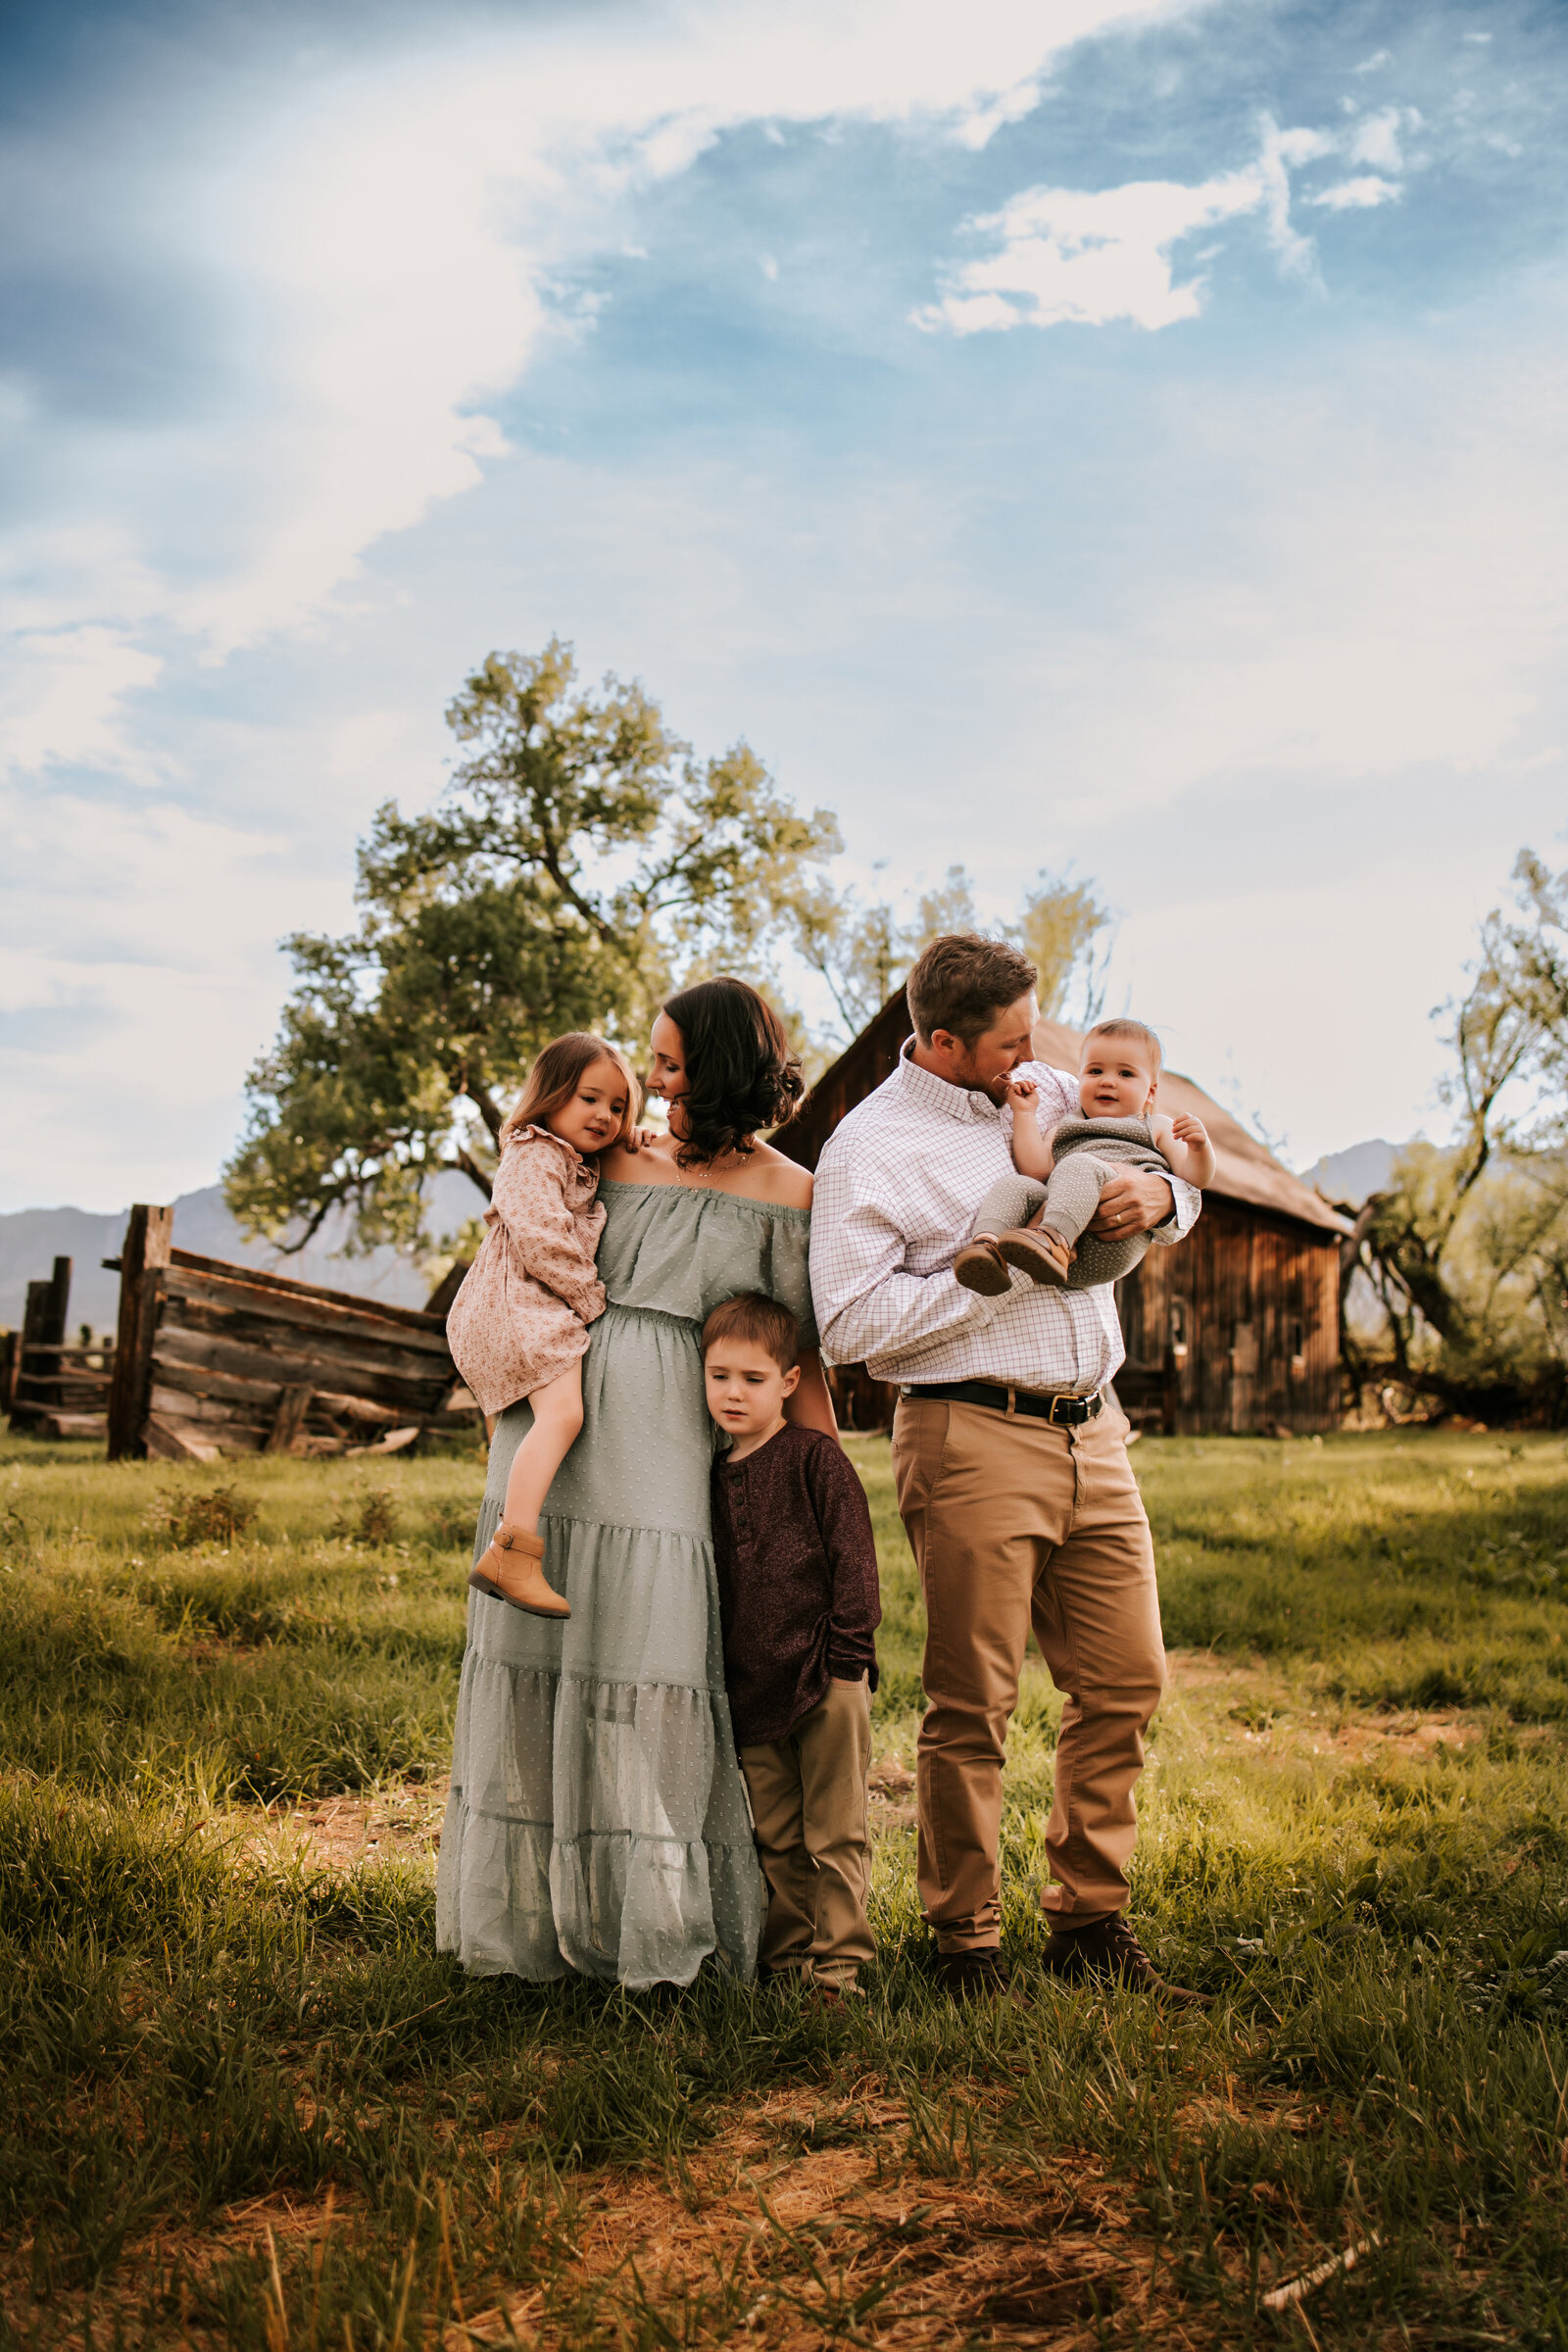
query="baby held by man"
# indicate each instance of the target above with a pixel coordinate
(1037, 1217)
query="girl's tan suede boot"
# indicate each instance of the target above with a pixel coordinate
(511, 1571)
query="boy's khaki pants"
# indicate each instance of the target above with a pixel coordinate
(808, 1805)
(1016, 1523)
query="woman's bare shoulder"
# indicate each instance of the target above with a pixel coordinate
(773, 1177)
(652, 1163)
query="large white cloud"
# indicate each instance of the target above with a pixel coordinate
(1064, 253)
(390, 241)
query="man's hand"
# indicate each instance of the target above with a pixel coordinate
(1134, 1203)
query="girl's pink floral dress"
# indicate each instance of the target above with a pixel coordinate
(520, 1318)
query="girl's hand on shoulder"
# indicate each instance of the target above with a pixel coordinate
(643, 1139)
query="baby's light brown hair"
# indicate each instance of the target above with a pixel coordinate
(761, 1321)
(1122, 1026)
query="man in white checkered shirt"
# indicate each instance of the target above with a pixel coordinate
(1010, 1464)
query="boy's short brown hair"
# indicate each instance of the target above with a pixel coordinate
(1124, 1026)
(763, 1321)
(961, 982)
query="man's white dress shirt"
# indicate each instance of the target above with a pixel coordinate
(897, 1190)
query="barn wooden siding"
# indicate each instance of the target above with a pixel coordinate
(217, 1359)
(1235, 1329)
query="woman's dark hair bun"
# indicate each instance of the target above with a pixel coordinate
(741, 1075)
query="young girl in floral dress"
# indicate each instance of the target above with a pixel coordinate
(518, 1327)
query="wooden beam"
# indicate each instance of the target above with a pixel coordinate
(262, 1303)
(149, 1239)
(288, 1420)
(166, 1439)
(446, 1290)
(57, 1311)
(35, 1321)
(297, 1365)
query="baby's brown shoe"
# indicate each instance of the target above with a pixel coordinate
(511, 1571)
(979, 1267)
(1041, 1253)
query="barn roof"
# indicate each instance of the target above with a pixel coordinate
(1244, 1170)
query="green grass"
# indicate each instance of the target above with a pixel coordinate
(208, 2034)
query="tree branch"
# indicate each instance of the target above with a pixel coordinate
(473, 1171)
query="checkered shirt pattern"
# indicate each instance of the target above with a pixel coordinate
(896, 1189)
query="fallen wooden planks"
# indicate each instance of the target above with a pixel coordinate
(223, 1359)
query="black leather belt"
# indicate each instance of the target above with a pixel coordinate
(1063, 1412)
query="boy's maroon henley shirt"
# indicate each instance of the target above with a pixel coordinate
(797, 1593)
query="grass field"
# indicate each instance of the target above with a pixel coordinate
(248, 2104)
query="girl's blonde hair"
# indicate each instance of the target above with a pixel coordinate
(555, 1078)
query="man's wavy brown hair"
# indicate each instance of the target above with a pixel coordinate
(962, 981)
(741, 1074)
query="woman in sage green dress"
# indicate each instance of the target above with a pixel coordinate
(598, 1821)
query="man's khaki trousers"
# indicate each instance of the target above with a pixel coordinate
(809, 1805)
(1016, 1523)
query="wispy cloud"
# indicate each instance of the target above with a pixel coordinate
(1072, 256)
(1358, 195)
(1064, 255)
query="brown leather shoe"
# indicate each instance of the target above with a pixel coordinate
(979, 1267)
(1107, 1951)
(510, 1571)
(1043, 1255)
(981, 1975)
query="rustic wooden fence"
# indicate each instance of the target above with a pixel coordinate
(50, 1385)
(216, 1359)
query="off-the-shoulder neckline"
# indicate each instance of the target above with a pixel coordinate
(695, 1191)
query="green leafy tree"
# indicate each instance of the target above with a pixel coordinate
(1061, 929)
(862, 951)
(578, 862)
(1466, 1249)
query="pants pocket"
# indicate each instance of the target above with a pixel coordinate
(919, 1442)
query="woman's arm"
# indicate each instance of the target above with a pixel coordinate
(811, 1406)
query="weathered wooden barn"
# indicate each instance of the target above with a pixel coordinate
(1236, 1329)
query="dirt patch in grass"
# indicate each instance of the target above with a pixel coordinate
(800, 2224)
(1263, 1714)
(338, 1832)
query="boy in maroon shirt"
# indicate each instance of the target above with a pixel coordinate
(800, 1605)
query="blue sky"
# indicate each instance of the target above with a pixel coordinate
(1129, 442)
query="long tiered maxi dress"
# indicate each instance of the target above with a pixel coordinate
(598, 1820)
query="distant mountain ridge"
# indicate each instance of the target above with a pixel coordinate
(1353, 1173)
(32, 1239)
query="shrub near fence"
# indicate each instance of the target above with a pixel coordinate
(218, 1359)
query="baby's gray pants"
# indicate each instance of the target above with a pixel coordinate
(1069, 1198)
